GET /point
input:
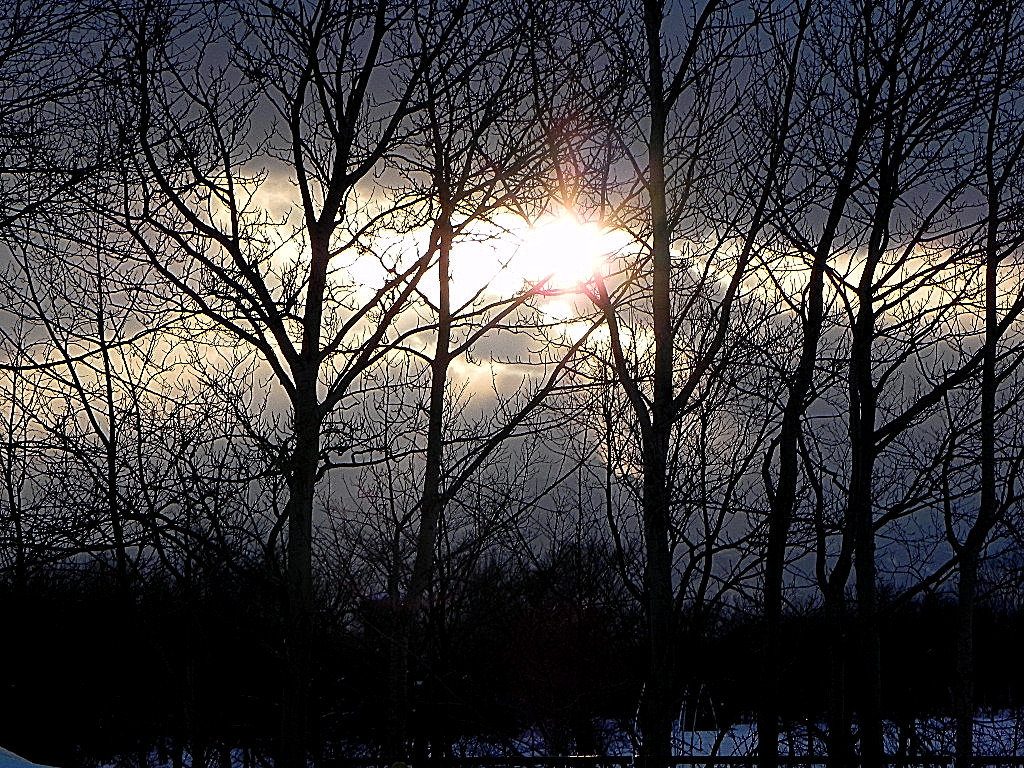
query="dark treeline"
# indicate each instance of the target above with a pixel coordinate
(519, 657)
(415, 376)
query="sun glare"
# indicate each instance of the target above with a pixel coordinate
(562, 249)
(559, 252)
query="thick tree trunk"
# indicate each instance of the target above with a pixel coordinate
(657, 706)
(964, 698)
(302, 477)
(774, 567)
(657, 710)
(840, 741)
(299, 579)
(869, 718)
(860, 512)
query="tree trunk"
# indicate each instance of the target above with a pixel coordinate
(964, 694)
(860, 511)
(840, 742)
(783, 498)
(970, 553)
(657, 710)
(774, 566)
(431, 508)
(299, 578)
(656, 715)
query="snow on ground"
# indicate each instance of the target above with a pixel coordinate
(10, 760)
(996, 733)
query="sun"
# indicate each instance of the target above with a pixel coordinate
(562, 251)
(498, 259)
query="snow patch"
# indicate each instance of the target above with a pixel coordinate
(10, 760)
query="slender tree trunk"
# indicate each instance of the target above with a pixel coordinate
(783, 500)
(775, 556)
(863, 449)
(431, 507)
(396, 729)
(110, 447)
(970, 553)
(20, 570)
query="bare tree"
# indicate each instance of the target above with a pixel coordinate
(478, 154)
(204, 100)
(45, 78)
(698, 205)
(1000, 237)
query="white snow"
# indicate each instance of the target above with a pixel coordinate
(10, 760)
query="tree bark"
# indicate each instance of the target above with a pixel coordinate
(840, 742)
(970, 553)
(431, 506)
(295, 709)
(963, 702)
(860, 513)
(783, 497)
(657, 706)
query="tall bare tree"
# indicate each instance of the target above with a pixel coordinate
(1000, 238)
(689, 99)
(217, 108)
(479, 153)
